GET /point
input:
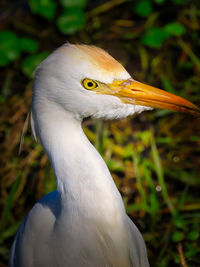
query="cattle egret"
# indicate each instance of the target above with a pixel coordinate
(83, 223)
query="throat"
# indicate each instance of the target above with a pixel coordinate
(83, 179)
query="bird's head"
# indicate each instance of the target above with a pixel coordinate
(87, 81)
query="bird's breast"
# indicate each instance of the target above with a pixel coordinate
(92, 241)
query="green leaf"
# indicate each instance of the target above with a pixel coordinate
(28, 45)
(180, 2)
(154, 37)
(31, 62)
(177, 236)
(45, 8)
(9, 47)
(167, 85)
(144, 8)
(179, 223)
(193, 235)
(4, 60)
(71, 20)
(115, 165)
(159, 1)
(175, 28)
(74, 3)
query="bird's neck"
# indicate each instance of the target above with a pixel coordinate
(83, 179)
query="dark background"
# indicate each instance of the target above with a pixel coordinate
(154, 158)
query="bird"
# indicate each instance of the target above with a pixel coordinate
(83, 223)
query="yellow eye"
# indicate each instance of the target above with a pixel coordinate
(89, 84)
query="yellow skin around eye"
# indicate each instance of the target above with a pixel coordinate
(89, 84)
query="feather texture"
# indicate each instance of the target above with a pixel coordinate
(83, 223)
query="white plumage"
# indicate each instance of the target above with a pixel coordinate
(83, 223)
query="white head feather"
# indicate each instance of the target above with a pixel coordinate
(58, 80)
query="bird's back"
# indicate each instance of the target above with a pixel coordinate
(31, 240)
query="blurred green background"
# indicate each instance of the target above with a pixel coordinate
(154, 158)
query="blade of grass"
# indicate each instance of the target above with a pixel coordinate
(153, 202)
(139, 178)
(160, 176)
(8, 205)
(99, 136)
(190, 53)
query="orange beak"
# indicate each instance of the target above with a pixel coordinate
(133, 92)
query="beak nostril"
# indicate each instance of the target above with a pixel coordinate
(136, 90)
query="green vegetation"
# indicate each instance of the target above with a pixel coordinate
(154, 158)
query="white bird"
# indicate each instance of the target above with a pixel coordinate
(83, 223)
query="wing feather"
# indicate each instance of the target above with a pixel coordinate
(138, 253)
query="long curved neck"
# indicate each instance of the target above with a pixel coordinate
(82, 176)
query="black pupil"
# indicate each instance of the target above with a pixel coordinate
(90, 84)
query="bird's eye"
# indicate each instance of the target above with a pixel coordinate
(89, 84)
